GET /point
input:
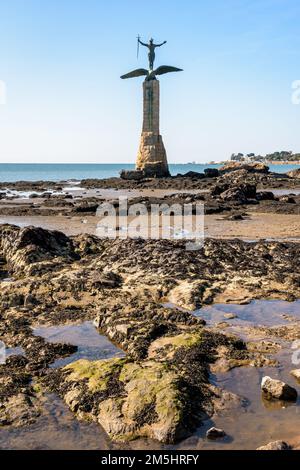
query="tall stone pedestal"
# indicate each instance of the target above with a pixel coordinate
(152, 158)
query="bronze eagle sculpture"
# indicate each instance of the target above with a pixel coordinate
(151, 74)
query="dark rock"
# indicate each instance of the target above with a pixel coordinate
(211, 172)
(264, 196)
(135, 175)
(215, 433)
(194, 175)
(155, 170)
(86, 208)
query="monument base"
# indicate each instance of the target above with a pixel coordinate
(152, 158)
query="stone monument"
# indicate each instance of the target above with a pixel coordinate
(152, 159)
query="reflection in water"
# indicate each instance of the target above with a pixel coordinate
(91, 345)
(258, 312)
(55, 429)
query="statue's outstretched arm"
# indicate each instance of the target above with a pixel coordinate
(159, 45)
(143, 44)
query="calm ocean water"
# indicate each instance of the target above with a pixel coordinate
(62, 172)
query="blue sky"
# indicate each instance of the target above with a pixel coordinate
(61, 61)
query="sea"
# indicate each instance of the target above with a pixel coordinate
(10, 172)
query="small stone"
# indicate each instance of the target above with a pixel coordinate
(275, 445)
(230, 316)
(276, 389)
(296, 373)
(222, 324)
(215, 433)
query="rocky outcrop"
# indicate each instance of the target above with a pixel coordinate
(249, 167)
(34, 247)
(241, 193)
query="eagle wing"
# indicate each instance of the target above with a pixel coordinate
(166, 69)
(135, 73)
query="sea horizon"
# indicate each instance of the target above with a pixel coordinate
(11, 172)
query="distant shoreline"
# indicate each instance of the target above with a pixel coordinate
(266, 162)
(276, 162)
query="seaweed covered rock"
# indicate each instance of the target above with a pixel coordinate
(128, 399)
(163, 396)
(19, 404)
(24, 247)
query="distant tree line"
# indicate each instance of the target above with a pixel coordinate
(284, 155)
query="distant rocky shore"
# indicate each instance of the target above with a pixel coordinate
(233, 188)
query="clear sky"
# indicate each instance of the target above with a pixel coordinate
(61, 61)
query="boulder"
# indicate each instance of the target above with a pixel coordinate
(275, 445)
(277, 389)
(249, 167)
(25, 246)
(240, 193)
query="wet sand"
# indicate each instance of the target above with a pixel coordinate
(255, 226)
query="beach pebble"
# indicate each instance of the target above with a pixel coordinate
(215, 433)
(275, 445)
(276, 389)
(230, 316)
